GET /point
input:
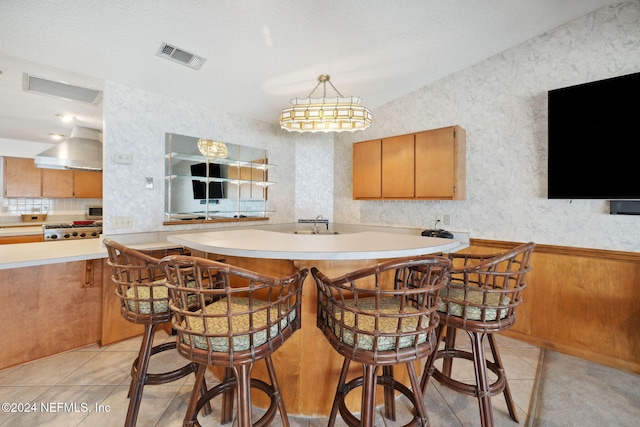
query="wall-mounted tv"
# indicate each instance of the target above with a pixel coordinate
(200, 187)
(594, 135)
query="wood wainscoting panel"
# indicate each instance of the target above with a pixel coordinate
(582, 302)
(49, 309)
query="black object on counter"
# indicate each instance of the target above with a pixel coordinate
(444, 234)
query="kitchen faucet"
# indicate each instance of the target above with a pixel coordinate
(315, 224)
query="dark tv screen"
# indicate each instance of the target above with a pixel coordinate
(594, 132)
(200, 187)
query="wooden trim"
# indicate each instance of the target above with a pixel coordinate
(562, 250)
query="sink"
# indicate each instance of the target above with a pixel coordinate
(314, 232)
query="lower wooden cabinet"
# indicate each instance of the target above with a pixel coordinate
(49, 309)
(428, 165)
(9, 240)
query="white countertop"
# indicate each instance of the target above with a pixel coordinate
(265, 241)
(256, 243)
(32, 254)
(41, 253)
(26, 230)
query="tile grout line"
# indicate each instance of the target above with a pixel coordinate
(535, 393)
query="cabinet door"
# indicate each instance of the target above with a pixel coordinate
(21, 178)
(398, 167)
(10, 240)
(87, 185)
(440, 164)
(367, 169)
(57, 183)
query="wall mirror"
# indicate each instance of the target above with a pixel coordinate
(210, 180)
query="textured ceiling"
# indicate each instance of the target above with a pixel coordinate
(259, 53)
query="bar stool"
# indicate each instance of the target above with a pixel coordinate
(480, 299)
(141, 289)
(232, 318)
(383, 315)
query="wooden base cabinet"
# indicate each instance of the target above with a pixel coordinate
(428, 165)
(30, 238)
(49, 309)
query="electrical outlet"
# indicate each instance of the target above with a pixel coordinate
(446, 219)
(438, 217)
(122, 222)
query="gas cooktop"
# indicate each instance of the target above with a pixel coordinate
(53, 232)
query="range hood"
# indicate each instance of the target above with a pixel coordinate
(83, 150)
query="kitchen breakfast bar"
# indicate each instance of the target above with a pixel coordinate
(307, 365)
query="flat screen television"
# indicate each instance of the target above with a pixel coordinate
(200, 187)
(594, 135)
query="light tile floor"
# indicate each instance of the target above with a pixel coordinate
(88, 387)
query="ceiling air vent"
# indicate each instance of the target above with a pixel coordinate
(180, 56)
(60, 90)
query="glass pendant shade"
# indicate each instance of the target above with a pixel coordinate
(324, 114)
(213, 149)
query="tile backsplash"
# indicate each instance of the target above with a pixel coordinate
(18, 206)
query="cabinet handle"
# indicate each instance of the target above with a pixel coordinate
(88, 274)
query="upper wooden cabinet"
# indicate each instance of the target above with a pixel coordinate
(23, 179)
(367, 173)
(57, 183)
(398, 167)
(87, 185)
(441, 164)
(428, 165)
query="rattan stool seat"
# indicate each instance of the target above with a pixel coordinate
(140, 298)
(144, 299)
(240, 322)
(232, 318)
(381, 316)
(480, 299)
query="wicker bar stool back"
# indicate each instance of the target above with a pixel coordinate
(141, 288)
(232, 318)
(480, 299)
(383, 315)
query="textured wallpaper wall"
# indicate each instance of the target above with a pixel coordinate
(502, 103)
(135, 124)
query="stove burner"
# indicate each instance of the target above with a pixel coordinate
(55, 226)
(53, 232)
